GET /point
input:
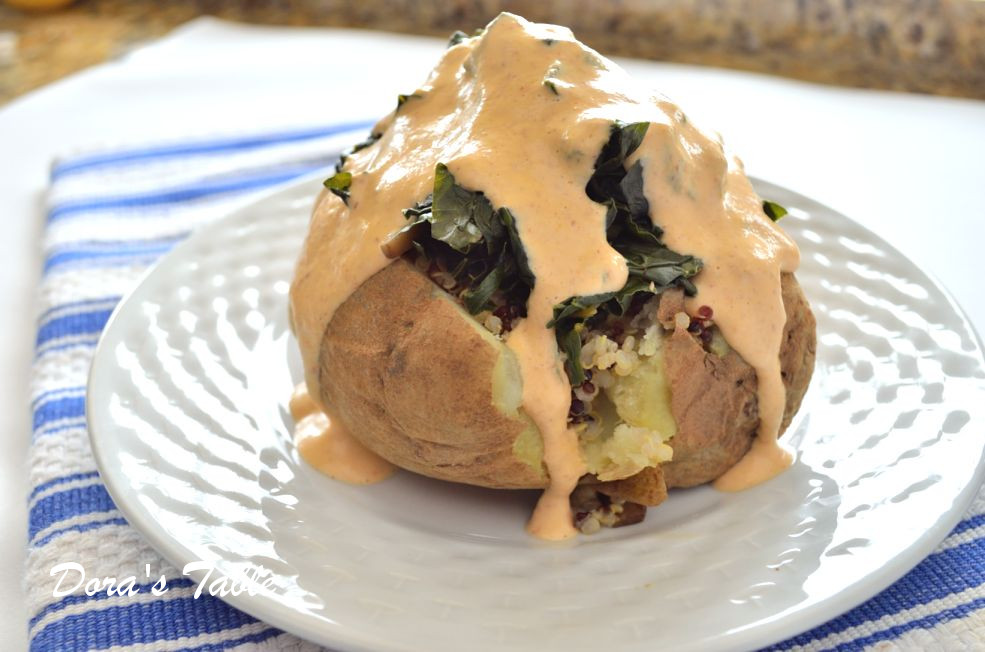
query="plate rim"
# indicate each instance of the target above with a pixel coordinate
(268, 609)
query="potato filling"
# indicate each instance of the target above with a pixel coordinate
(502, 314)
(622, 412)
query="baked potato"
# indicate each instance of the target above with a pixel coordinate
(424, 385)
(495, 253)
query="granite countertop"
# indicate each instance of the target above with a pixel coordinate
(927, 46)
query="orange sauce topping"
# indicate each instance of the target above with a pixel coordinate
(487, 114)
(325, 444)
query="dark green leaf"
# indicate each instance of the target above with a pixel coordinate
(458, 36)
(630, 137)
(610, 168)
(456, 220)
(570, 343)
(372, 138)
(523, 265)
(419, 212)
(402, 99)
(551, 77)
(570, 309)
(457, 212)
(631, 186)
(477, 298)
(490, 224)
(773, 210)
(619, 304)
(339, 184)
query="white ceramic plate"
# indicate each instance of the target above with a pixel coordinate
(187, 412)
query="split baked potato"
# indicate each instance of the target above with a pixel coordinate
(423, 384)
(412, 281)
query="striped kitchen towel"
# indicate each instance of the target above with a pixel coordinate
(110, 216)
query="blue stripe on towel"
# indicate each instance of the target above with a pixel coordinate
(71, 424)
(63, 505)
(969, 524)
(921, 623)
(54, 482)
(81, 323)
(204, 147)
(109, 254)
(141, 622)
(934, 578)
(72, 306)
(178, 195)
(45, 397)
(69, 407)
(79, 527)
(74, 342)
(69, 600)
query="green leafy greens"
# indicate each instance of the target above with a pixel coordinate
(477, 244)
(458, 36)
(551, 77)
(653, 267)
(340, 182)
(402, 98)
(773, 210)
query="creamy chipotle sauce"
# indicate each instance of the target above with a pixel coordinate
(487, 114)
(325, 444)
(707, 207)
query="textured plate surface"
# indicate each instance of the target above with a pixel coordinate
(188, 415)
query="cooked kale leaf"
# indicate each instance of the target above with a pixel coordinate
(629, 229)
(458, 36)
(610, 170)
(551, 77)
(402, 98)
(340, 182)
(773, 210)
(460, 217)
(477, 244)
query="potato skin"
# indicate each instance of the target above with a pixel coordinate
(716, 410)
(409, 374)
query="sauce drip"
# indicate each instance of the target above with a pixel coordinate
(327, 446)
(703, 200)
(488, 114)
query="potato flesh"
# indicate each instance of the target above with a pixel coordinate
(507, 398)
(642, 399)
(634, 423)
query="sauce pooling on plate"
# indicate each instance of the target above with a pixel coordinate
(326, 445)
(521, 113)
